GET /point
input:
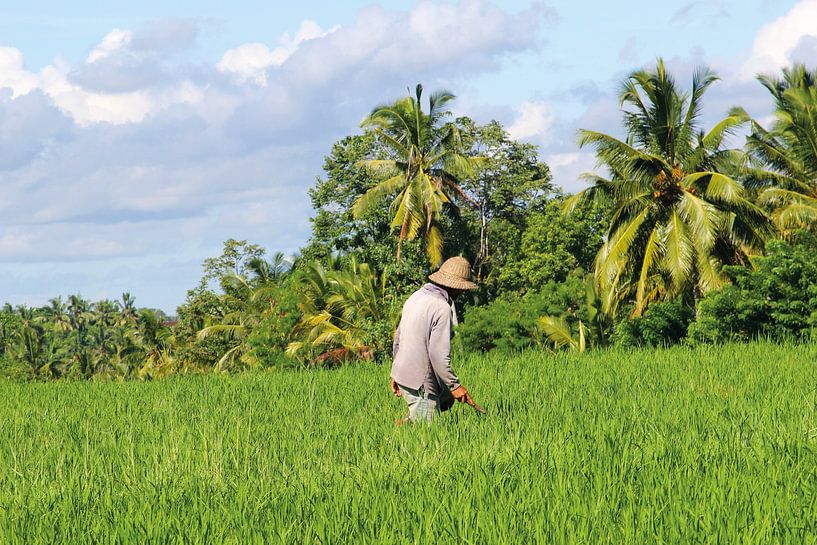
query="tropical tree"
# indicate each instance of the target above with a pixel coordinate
(570, 332)
(155, 343)
(32, 350)
(678, 214)
(788, 151)
(56, 313)
(235, 325)
(425, 170)
(246, 300)
(343, 306)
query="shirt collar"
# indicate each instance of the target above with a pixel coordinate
(438, 291)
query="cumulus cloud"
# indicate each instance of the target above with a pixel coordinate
(136, 155)
(567, 168)
(250, 62)
(779, 40)
(533, 120)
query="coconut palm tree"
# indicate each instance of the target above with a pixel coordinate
(56, 314)
(425, 169)
(788, 151)
(128, 310)
(678, 213)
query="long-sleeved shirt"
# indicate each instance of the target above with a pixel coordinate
(422, 343)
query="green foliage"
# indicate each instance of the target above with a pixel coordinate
(777, 300)
(679, 215)
(552, 246)
(215, 325)
(269, 339)
(665, 323)
(589, 327)
(79, 339)
(788, 151)
(341, 303)
(336, 230)
(422, 172)
(510, 323)
(508, 185)
(706, 445)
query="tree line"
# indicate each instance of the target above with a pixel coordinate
(677, 238)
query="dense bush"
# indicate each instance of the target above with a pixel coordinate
(778, 299)
(663, 324)
(553, 245)
(510, 323)
(268, 341)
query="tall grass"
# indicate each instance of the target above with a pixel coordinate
(712, 445)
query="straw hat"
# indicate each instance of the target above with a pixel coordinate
(455, 273)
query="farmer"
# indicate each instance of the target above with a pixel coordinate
(421, 373)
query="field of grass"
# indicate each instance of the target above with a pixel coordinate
(714, 445)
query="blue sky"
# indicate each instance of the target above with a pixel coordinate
(136, 137)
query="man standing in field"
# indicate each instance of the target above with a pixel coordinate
(421, 373)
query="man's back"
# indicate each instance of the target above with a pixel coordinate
(422, 347)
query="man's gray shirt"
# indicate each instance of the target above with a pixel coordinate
(422, 343)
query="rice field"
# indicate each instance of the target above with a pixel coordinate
(710, 445)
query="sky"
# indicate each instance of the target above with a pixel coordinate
(135, 138)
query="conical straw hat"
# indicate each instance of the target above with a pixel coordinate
(455, 273)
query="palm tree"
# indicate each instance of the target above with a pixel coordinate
(32, 336)
(235, 325)
(424, 172)
(56, 314)
(80, 316)
(788, 151)
(155, 343)
(341, 301)
(678, 214)
(128, 309)
(269, 272)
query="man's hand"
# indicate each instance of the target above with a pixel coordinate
(395, 388)
(461, 394)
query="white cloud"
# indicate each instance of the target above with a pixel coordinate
(116, 40)
(136, 156)
(250, 62)
(567, 168)
(533, 120)
(777, 40)
(13, 74)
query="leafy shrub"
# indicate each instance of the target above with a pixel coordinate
(777, 300)
(509, 324)
(663, 324)
(553, 246)
(269, 339)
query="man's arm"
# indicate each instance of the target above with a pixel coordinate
(439, 349)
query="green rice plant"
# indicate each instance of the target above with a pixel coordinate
(683, 445)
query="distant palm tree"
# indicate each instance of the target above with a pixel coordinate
(678, 213)
(32, 337)
(235, 325)
(56, 314)
(788, 151)
(269, 272)
(155, 344)
(425, 172)
(128, 309)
